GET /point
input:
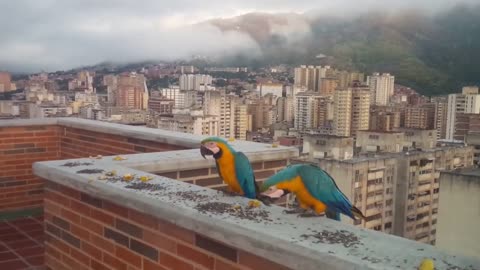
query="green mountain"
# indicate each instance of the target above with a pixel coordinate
(434, 54)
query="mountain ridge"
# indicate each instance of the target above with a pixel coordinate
(435, 54)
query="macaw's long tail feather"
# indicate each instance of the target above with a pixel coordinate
(357, 213)
(332, 214)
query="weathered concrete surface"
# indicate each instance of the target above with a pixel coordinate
(299, 243)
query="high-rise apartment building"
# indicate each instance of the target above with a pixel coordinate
(5, 82)
(160, 104)
(110, 81)
(262, 115)
(396, 189)
(308, 77)
(285, 109)
(241, 124)
(381, 88)
(132, 91)
(464, 124)
(275, 89)
(420, 116)
(351, 110)
(324, 113)
(179, 97)
(346, 78)
(383, 118)
(328, 86)
(441, 107)
(194, 81)
(226, 115)
(466, 102)
(306, 110)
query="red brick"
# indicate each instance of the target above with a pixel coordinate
(115, 209)
(195, 255)
(174, 262)
(102, 217)
(256, 262)
(13, 265)
(149, 265)
(80, 232)
(114, 262)
(224, 265)
(128, 256)
(92, 250)
(98, 266)
(102, 243)
(92, 225)
(80, 257)
(73, 264)
(176, 232)
(38, 261)
(70, 192)
(143, 219)
(69, 215)
(53, 263)
(58, 244)
(160, 241)
(52, 251)
(80, 208)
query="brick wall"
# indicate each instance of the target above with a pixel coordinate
(22, 146)
(76, 143)
(208, 177)
(83, 232)
(19, 148)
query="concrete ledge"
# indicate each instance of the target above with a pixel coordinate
(283, 238)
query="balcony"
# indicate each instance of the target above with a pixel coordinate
(424, 187)
(174, 220)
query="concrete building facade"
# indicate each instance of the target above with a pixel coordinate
(458, 215)
(381, 88)
(351, 110)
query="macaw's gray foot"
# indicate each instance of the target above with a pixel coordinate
(229, 193)
(296, 210)
(265, 199)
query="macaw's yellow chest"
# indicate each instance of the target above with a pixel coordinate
(305, 199)
(226, 168)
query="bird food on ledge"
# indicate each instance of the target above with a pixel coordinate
(76, 164)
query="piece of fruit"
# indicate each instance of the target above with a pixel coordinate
(254, 203)
(128, 177)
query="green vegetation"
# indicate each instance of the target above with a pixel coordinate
(432, 54)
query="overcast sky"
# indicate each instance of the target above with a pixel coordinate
(62, 34)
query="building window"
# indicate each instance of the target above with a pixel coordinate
(388, 225)
(378, 228)
(389, 202)
(373, 137)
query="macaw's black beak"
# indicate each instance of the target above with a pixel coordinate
(204, 151)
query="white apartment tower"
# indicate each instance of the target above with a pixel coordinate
(381, 88)
(466, 102)
(194, 81)
(306, 105)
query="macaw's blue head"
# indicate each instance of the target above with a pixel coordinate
(212, 146)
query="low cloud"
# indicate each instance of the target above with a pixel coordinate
(61, 34)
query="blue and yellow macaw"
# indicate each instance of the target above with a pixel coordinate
(233, 167)
(315, 189)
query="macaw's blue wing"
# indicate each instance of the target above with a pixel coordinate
(245, 175)
(322, 186)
